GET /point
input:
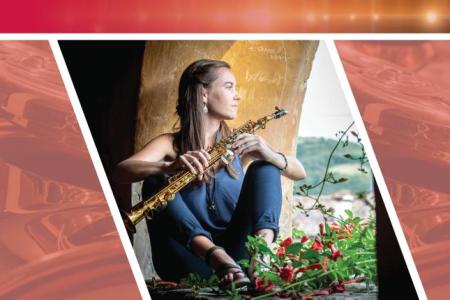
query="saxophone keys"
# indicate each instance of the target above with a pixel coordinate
(173, 178)
(227, 157)
(149, 214)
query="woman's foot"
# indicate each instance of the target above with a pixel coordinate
(226, 268)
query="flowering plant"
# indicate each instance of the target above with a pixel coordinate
(342, 252)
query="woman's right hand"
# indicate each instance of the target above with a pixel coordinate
(194, 161)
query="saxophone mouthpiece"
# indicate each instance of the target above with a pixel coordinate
(279, 112)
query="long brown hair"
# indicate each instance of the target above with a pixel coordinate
(191, 135)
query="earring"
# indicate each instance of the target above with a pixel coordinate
(205, 108)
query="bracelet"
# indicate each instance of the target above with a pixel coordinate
(285, 162)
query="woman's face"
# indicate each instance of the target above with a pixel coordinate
(221, 97)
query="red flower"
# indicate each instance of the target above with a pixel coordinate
(348, 229)
(335, 227)
(286, 273)
(280, 252)
(332, 246)
(317, 246)
(325, 263)
(321, 229)
(315, 267)
(286, 242)
(263, 285)
(338, 288)
(304, 239)
(310, 267)
(335, 254)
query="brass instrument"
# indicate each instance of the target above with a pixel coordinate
(219, 151)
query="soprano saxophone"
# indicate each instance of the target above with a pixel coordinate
(219, 151)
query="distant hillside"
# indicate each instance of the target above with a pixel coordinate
(314, 153)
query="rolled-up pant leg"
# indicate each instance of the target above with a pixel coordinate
(171, 232)
(258, 207)
(172, 260)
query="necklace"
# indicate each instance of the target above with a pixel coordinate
(211, 186)
(210, 191)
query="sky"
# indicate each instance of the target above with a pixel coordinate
(325, 110)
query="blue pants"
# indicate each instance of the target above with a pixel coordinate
(258, 207)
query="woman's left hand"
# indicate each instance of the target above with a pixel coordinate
(254, 146)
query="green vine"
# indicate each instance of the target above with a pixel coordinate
(329, 177)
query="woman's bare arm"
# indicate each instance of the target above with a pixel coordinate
(294, 171)
(148, 161)
(253, 147)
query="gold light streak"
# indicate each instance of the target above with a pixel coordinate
(431, 16)
(362, 16)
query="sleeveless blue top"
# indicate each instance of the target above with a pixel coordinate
(226, 194)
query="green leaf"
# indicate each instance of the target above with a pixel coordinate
(297, 233)
(297, 264)
(330, 210)
(263, 248)
(327, 228)
(362, 170)
(330, 176)
(310, 254)
(305, 187)
(343, 179)
(349, 213)
(294, 248)
(335, 276)
(357, 220)
(244, 262)
(271, 276)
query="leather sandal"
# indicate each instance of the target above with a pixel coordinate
(228, 268)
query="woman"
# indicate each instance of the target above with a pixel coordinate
(206, 226)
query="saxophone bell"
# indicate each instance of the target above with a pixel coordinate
(127, 220)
